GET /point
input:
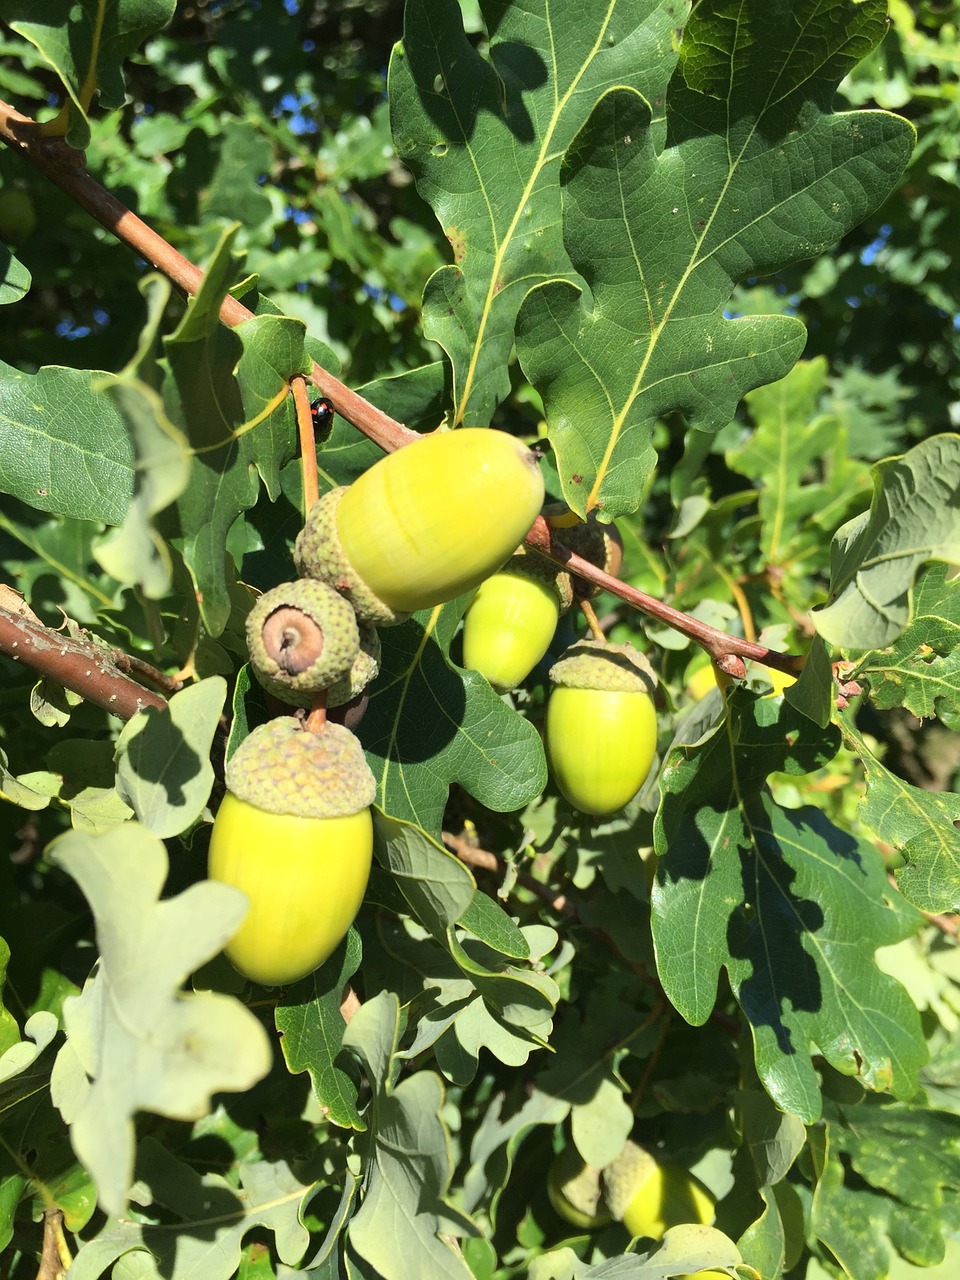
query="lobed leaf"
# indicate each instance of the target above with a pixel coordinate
(756, 171)
(430, 724)
(791, 906)
(921, 824)
(134, 1041)
(914, 517)
(484, 138)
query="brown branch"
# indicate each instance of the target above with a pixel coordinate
(487, 861)
(83, 667)
(718, 644)
(64, 167)
(308, 444)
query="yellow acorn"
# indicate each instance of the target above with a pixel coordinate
(601, 726)
(424, 524)
(510, 622)
(649, 1197)
(294, 832)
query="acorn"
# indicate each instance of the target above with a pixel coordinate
(649, 1197)
(424, 524)
(601, 544)
(601, 726)
(573, 1188)
(294, 832)
(363, 671)
(512, 619)
(302, 637)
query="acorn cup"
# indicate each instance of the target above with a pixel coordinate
(424, 524)
(302, 637)
(294, 832)
(601, 544)
(601, 726)
(649, 1197)
(512, 619)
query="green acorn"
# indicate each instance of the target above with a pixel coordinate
(601, 726)
(512, 618)
(649, 1197)
(424, 524)
(365, 669)
(294, 832)
(302, 637)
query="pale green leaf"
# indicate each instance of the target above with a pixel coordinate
(163, 757)
(914, 517)
(141, 1044)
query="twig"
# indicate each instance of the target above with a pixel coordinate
(717, 643)
(85, 668)
(308, 445)
(349, 1003)
(65, 168)
(487, 861)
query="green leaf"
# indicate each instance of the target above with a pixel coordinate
(430, 724)
(64, 446)
(797, 458)
(14, 278)
(773, 1137)
(163, 757)
(134, 1041)
(135, 553)
(918, 822)
(232, 388)
(437, 886)
(756, 171)
(311, 1028)
(774, 896)
(407, 1162)
(9, 1031)
(87, 43)
(921, 669)
(914, 517)
(210, 1217)
(484, 139)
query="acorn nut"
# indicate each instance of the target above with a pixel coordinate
(294, 832)
(424, 524)
(302, 637)
(649, 1197)
(601, 727)
(512, 619)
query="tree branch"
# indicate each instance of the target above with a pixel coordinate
(65, 168)
(86, 668)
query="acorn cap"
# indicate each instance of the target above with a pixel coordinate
(302, 637)
(624, 1177)
(365, 669)
(526, 563)
(283, 768)
(594, 664)
(319, 554)
(601, 544)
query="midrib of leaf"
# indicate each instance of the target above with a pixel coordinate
(543, 158)
(388, 755)
(83, 583)
(694, 263)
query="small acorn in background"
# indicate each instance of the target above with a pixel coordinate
(649, 1197)
(302, 637)
(601, 726)
(601, 544)
(294, 832)
(424, 524)
(512, 619)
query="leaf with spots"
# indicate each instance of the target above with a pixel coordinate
(755, 171)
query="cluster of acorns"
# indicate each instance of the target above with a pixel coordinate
(424, 525)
